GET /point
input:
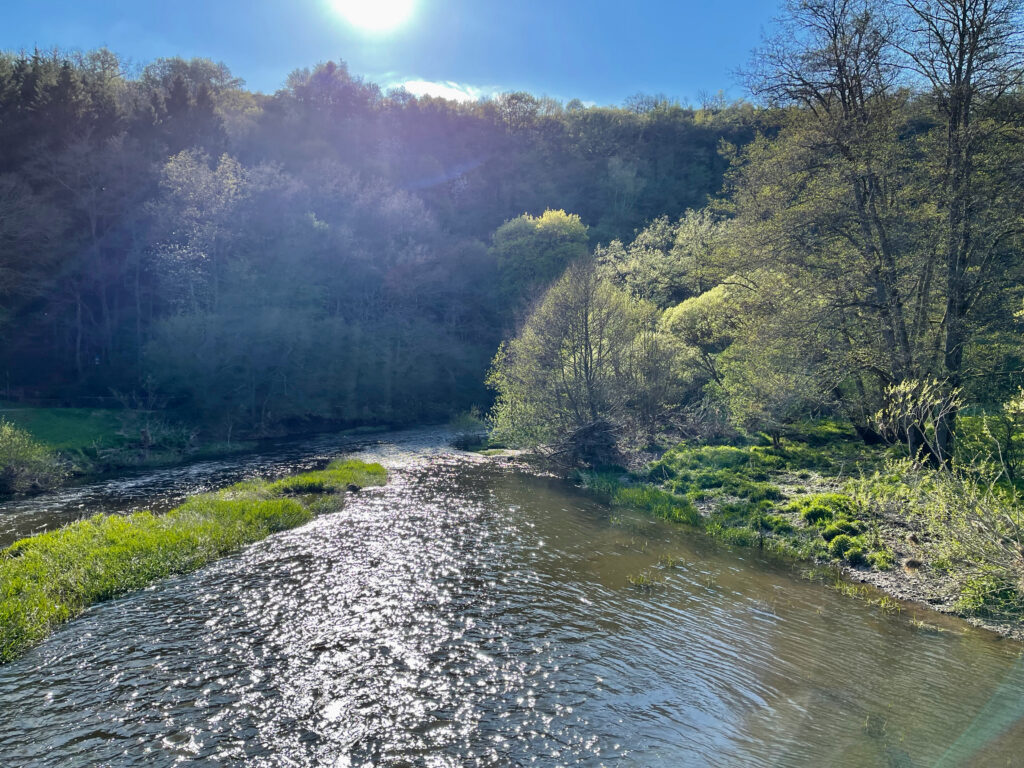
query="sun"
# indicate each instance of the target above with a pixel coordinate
(375, 15)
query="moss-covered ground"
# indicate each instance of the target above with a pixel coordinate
(951, 539)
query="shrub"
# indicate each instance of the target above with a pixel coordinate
(855, 556)
(849, 527)
(777, 523)
(975, 528)
(840, 544)
(24, 463)
(881, 559)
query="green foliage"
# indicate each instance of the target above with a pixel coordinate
(532, 251)
(776, 523)
(603, 483)
(974, 527)
(667, 261)
(658, 503)
(848, 527)
(839, 546)
(69, 429)
(586, 358)
(855, 556)
(881, 560)
(337, 476)
(823, 507)
(988, 594)
(26, 464)
(52, 577)
(470, 430)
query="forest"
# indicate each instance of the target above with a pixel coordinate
(327, 253)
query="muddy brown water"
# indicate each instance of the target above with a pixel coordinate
(473, 614)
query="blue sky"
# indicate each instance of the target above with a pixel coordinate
(600, 51)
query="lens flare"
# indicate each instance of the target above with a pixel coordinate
(375, 15)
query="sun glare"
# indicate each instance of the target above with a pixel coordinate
(375, 15)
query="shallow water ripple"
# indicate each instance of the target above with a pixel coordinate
(470, 615)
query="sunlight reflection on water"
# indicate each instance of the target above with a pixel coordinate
(426, 625)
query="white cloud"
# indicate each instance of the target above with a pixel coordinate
(445, 89)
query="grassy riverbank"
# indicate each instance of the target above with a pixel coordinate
(48, 579)
(90, 441)
(950, 540)
(43, 447)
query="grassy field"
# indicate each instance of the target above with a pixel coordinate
(68, 429)
(48, 579)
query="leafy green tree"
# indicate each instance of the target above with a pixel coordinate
(667, 261)
(702, 328)
(971, 54)
(531, 251)
(776, 370)
(834, 201)
(586, 358)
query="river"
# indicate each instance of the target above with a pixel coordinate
(471, 613)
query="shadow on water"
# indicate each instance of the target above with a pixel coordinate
(470, 614)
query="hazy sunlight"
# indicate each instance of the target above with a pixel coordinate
(376, 16)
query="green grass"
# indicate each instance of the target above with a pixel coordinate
(68, 429)
(659, 503)
(743, 505)
(48, 579)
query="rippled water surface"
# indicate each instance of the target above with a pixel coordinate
(470, 614)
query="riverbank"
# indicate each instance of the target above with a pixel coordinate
(941, 541)
(86, 443)
(50, 578)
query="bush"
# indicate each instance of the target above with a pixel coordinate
(881, 560)
(840, 545)
(777, 523)
(849, 527)
(974, 524)
(25, 464)
(855, 556)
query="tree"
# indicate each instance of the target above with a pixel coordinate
(703, 327)
(777, 369)
(531, 251)
(971, 54)
(667, 261)
(576, 365)
(836, 200)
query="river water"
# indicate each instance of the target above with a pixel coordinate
(473, 614)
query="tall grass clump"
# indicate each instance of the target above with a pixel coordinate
(50, 578)
(973, 525)
(469, 429)
(26, 464)
(659, 503)
(338, 476)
